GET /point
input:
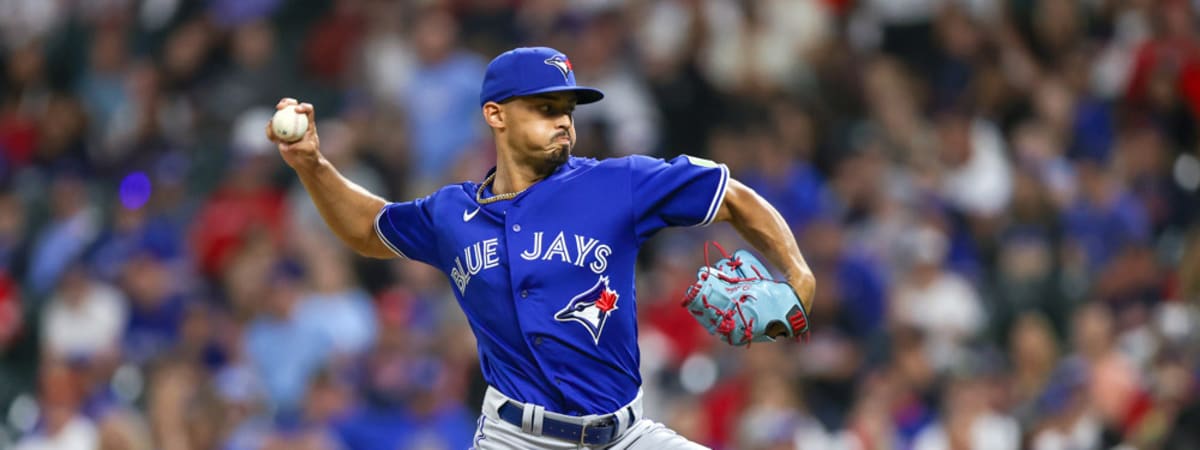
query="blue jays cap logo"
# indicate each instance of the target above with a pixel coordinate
(591, 308)
(561, 63)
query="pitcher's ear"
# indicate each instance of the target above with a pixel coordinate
(493, 114)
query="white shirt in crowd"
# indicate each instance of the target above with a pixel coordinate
(78, 434)
(92, 325)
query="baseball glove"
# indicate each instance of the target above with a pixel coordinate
(737, 300)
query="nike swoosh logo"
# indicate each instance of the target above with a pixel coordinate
(467, 216)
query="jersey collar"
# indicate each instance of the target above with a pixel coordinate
(562, 169)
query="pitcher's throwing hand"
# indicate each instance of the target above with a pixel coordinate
(307, 149)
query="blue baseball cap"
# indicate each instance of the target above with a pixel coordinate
(531, 71)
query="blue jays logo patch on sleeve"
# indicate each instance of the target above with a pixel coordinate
(591, 308)
(562, 63)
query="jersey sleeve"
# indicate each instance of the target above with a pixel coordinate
(407, 229)
(684, 191)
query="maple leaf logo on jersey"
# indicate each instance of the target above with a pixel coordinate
(561, 63)
(591, 308)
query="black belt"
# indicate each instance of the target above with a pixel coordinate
(601, 431)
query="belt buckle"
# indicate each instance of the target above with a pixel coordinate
(583, 433)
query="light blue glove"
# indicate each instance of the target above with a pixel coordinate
(737, 300)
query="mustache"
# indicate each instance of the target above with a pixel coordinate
(560, 134)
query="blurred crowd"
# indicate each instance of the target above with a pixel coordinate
(999, 198)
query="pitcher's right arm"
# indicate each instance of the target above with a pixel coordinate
(348, 209)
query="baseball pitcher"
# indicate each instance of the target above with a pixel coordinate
(540, 254)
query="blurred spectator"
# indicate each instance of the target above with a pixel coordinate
(61, 425)
(764, 45)
(906, 137)
(244, 205)
(1103, 219)
(157, 308)
(940, 303)
(84, 319)
(179, 408)
(782, 170)
(284, 375)
(1166, 68)
(669, 53)
(442, 98)
(1033, 350)
(184, 54)
(772, 414)
(977, 178)
(1074, 399)
(405, 402)
(1143, 158)
(1038, 149)
(628, 125)
(255, 76)
(74, 224)
(911, 388)
(728, 400)
(853, 286)
(869, 424)
(330, 44)
(334, 307)
(302, 435)
(968, 421)
(104, 89)
(134, 230)
(62, 138)
(386, 58)
(23, 104)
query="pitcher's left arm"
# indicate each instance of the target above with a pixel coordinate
(763, 227)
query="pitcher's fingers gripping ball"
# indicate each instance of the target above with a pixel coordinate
(736, 300)
(288, 124)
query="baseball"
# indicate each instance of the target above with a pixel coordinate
(288, 125)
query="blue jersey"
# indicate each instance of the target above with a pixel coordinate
(546, 279)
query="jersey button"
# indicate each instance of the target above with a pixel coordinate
(537, 340)
(517, 228)
(524, 293)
